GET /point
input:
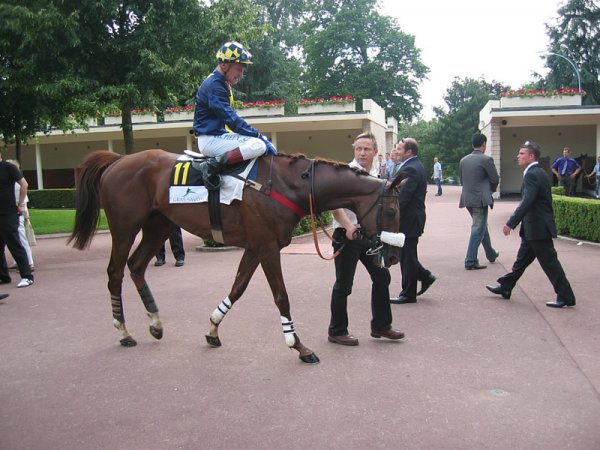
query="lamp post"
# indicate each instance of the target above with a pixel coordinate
(572, 64)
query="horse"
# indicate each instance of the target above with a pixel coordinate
(134, 192)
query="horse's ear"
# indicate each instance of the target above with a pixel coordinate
(399, 182)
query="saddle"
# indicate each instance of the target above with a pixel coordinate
(194, 174)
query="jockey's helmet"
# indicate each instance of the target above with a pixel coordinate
(234, 52)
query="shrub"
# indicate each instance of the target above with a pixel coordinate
(577, 217)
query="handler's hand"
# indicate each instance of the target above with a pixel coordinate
(506, 230)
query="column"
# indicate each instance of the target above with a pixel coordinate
(38, 165)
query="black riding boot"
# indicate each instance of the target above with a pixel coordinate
(211, 170)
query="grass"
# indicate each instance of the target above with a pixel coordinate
(51, 221)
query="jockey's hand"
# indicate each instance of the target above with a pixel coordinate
(271, 150)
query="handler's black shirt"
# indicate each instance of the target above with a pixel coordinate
(9, 175)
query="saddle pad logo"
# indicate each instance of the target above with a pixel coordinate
(186, 194)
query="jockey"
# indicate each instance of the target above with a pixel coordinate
(223, 135)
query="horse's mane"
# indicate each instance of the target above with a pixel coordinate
(320, 160)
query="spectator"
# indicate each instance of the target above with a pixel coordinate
(479, 178)
(437, 176)
(10, 210)
(384, 165)
(412, 222)
(536, 216)
(566, 170)
(176, 242)
(22, 219)
(394, 164)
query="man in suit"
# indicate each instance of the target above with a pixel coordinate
(479, 179)
(536, 216)
(412, 222)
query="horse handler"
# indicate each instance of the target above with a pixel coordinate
(346, 234)
(223, 135)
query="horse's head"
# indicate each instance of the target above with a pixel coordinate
(386, 214)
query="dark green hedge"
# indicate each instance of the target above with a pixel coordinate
(577, 217)
(51, 198)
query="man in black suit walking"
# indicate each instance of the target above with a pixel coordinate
(412, 222)
(536, 216)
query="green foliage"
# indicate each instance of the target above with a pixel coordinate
(577, 217)
(464, 99)
(576, 36)
(51, 198)
(427, 135)
(558, 190)
(352, 50)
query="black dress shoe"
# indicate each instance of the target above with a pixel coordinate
(402, 299)
(346, 339)
(475, 267)
(3, 296)
(5, 281)
(388, 334)
(426, 283)
(505, 293)
(560, 304)
(159, 262)
(179, 263)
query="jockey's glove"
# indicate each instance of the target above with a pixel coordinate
(271, 150)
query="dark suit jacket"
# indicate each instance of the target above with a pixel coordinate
(535, 212)
(412, 197)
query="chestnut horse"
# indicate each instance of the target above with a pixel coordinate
(134, 192)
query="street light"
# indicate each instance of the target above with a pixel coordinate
(572, 64)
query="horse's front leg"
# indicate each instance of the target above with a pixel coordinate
(246, 269)
(272, 267)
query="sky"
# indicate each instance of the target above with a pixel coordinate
(500, 41)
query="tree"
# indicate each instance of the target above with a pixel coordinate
(465, 98)
(576, 36)
(277, 67)
(352, 50)
(37, 89)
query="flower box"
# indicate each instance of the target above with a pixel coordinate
(143, 118)
(525, 102)
(325, 108)
(112, 120)
(261, 111)
(179, 116)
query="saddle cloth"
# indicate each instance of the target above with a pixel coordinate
(187, 187)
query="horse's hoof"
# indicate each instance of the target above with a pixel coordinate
(128, 342)
(310, 359)
(213, 341)
(157, 333)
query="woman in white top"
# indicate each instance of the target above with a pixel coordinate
(22, 219)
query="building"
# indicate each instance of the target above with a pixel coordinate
(49, 161)
(553, 122)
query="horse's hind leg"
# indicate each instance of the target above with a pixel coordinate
(246, 269)
(155, 231)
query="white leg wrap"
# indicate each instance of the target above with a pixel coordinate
(218, 314)
(121, 327)
(155, 320)
(288, 331)
(395, 239)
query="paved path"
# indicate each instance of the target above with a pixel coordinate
(474, 372)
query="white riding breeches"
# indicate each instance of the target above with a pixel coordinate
(250, 147)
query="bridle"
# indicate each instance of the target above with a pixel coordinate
(377, 207)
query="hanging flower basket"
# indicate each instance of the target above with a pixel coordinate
(324, 106)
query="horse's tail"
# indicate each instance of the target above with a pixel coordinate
(87, 196)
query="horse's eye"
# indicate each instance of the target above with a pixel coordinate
(390, 212)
